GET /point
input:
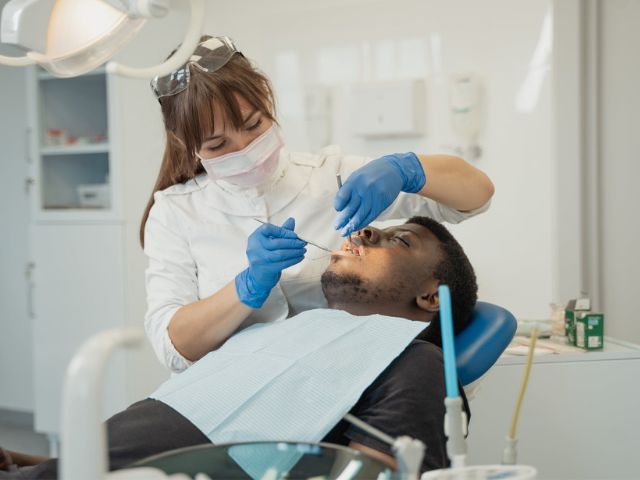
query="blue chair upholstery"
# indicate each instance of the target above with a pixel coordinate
(482, 342)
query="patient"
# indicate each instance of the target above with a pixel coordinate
(394, 272)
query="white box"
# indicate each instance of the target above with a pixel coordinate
(97, 196)
(389, 109)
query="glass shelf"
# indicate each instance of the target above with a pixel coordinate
(75, 149)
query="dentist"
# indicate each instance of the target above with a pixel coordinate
(213, 270)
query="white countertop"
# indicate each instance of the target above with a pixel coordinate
(613, 349)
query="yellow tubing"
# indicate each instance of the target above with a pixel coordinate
(525, 381)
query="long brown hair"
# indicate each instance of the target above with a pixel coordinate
(189, 117)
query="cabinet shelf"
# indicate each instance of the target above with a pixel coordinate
(71, 207)
(75, 149)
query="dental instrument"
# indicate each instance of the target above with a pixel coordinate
(407, 451)
(455, 420)
(303, 239)
(339, 178)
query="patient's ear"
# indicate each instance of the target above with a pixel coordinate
(429, 300)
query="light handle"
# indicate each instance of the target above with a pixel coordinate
(16, 61)
(182, 55)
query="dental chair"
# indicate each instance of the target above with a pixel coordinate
(481, 343)
(477, 347)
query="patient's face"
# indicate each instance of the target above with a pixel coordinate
(385, 266)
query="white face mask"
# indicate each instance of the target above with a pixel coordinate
(250, 167)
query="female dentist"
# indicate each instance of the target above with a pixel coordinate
(213, 269)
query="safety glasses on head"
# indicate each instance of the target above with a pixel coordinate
(211, 55)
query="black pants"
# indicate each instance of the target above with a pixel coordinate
(145, 428)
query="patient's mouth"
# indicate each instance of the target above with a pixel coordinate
(350, 249)
(345, 253)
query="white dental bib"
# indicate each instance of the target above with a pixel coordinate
(291, 380)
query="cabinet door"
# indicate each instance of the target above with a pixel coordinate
(15, 326)
(78, 292)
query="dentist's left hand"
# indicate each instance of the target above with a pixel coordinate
(372, 188)
(270, 250)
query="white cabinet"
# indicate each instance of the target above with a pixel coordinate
(578, 420)
(75, 165)
(16, 368)
(78, 291)
(89, 266)
(83, 247)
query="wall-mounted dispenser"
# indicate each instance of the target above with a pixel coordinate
(388, 109)
(466, 116)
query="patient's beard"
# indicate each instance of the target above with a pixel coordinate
(341, 289)
(349, 290)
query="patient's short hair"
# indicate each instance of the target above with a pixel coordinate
(454, 270)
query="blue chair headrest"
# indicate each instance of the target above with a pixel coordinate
(482, 342)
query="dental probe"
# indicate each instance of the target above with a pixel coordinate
(339, 178)
(303, 239)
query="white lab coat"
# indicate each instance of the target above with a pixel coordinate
(196, 238)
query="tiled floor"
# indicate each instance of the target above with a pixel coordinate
(23, 440)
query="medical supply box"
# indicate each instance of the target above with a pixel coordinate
(584, 328)
(94, 196)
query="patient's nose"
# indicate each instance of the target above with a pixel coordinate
(371, 234)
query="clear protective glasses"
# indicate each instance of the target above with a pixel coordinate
(211, 55)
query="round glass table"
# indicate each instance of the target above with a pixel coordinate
(270, 461)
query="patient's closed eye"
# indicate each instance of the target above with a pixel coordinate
(402, 240)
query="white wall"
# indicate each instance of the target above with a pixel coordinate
(141, 144)
(619, 166)
(330, 45)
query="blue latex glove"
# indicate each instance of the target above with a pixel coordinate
(372, 188)
(270, 250)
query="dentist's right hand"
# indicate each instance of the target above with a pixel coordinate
(270, 250)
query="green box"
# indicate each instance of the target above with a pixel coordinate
(570, 326)
(589, 330)
(571, 312)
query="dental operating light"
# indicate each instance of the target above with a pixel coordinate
(71, 37)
